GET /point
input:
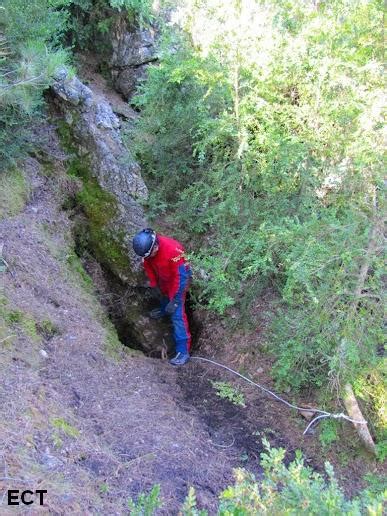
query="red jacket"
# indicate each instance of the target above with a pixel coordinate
(163, 268)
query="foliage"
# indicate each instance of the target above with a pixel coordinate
(146, 504)
(29, 58)
(62, 427)
(376, 484)
(189, 507)
(328, 432)
(140, 11)
(90, 22)
(227, 391)
(47, 329)
(13, 193)
(104, 488)
(293, 489)
(65, 427)
(14, 318)
(261, 131)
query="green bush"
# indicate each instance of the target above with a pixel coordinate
(30, 55)
(146, 504)
(261, 138)
(294, 489)
(90, 22)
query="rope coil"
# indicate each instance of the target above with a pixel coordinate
(322, 413)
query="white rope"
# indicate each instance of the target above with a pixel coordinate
(322, 413)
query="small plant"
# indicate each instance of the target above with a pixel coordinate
(227, 391)
(47, 329)
(381, 450)
(62, 427)
(65, 427)
(24, 321)
(146, 504)
(328, 433)
(189, 508)
(58, 443)
(28, 326)
(104, 488)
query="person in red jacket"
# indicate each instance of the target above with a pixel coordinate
(167, 268)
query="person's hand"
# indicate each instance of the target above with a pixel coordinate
(171, 307)
(156, 292)
(156, 313)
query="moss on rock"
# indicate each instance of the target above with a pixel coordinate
(100, 208)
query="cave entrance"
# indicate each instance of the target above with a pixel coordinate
(128, 309)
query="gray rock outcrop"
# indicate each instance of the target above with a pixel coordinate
(112, 205)
(133, 50)
(95, 130)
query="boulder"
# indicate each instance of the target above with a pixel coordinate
(133, 50)
(94, 133)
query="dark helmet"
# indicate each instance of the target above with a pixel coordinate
(144, 242)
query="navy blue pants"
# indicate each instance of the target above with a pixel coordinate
(181, 331)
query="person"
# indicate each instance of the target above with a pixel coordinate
(167, 268)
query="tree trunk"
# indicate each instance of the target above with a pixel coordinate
(350, 401)
(354, 412)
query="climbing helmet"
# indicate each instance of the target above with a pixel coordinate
(144, 241)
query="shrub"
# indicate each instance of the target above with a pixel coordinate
(261, 137)
(30, 54)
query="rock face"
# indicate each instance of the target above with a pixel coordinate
(95, 131)
(133, 50)
(110, 197)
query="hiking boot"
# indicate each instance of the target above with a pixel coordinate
(179, 359)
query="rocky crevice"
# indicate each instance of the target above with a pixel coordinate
(133, 50)
(108, 205)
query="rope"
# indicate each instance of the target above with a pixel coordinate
(322, 413)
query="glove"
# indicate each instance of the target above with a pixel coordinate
(157, 292)
(156, 313)
(171, 307)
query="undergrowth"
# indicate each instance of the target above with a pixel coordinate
(293, 489)
(261, 139)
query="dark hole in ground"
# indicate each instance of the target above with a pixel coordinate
(123, 303)
(149, 301)
(117, 303)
